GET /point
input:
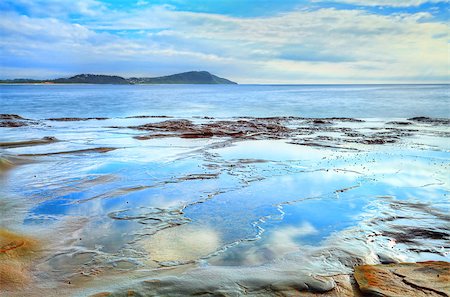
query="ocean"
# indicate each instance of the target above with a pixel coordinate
(366, 101)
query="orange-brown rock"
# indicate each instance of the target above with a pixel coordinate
(101, 294)
(405, 279)
(16, 253)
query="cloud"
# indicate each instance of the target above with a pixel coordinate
(301, 46)
(54, 8)
(39, 29)
(391, 3)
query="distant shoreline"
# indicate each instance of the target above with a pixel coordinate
(250, 84)
(191, 77)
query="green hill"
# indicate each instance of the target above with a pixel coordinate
(191, 77)
(91, 79)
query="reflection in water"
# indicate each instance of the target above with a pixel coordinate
(232, 208)
(183, 243)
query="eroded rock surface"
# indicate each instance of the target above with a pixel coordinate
(16, 253)
(14, 144)
(249, 129)
(277, 128)
(81, 151)
(231, 212)
(75, 119)
(13, 121)
(432, 121)
(404, 279)
(5, 116)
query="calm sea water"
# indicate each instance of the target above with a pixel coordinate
(363, 101)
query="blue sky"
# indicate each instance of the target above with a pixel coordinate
(249, 41)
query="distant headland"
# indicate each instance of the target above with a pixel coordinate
(191, 77)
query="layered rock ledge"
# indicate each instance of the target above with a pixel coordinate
(404, 279)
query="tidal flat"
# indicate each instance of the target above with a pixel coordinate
(150, 205)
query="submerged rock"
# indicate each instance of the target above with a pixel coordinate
(404, 279)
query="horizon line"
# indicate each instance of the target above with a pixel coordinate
(241, 84)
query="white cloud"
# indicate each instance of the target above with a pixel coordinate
(325, 45)
(392, 3)
(58, 8)
(45, 29)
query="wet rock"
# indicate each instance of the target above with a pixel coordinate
(13, 124)
(399, 123)
(14, 144)
(202, 134)
(321, 122)
(169, 125)
(351, 120)
(154, 136)
(8, 162)
(353, 134)
(13, 121)
(82, 151)
(247, 129)
(268, 128)
(199, 176)
(251, 161)
(101, 294)
(379, 137)
(378, 140)
(16, 253)
(204, 117)
(320, 145)
(147, 117)
(14, 245)
(4, 116)
(428, 120)
(226, 281)
(345, 287)
(404, 279)
(291, 118)
(408, 234)
(75, 119)
(322, 141)
(5, 164)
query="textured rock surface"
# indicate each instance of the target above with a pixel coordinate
(344, 288)
(16, 253)
(405, 279)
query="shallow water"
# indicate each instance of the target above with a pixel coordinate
(316, 201)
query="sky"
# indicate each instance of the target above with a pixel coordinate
(248, 41)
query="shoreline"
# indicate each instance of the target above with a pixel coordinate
(249, 84)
